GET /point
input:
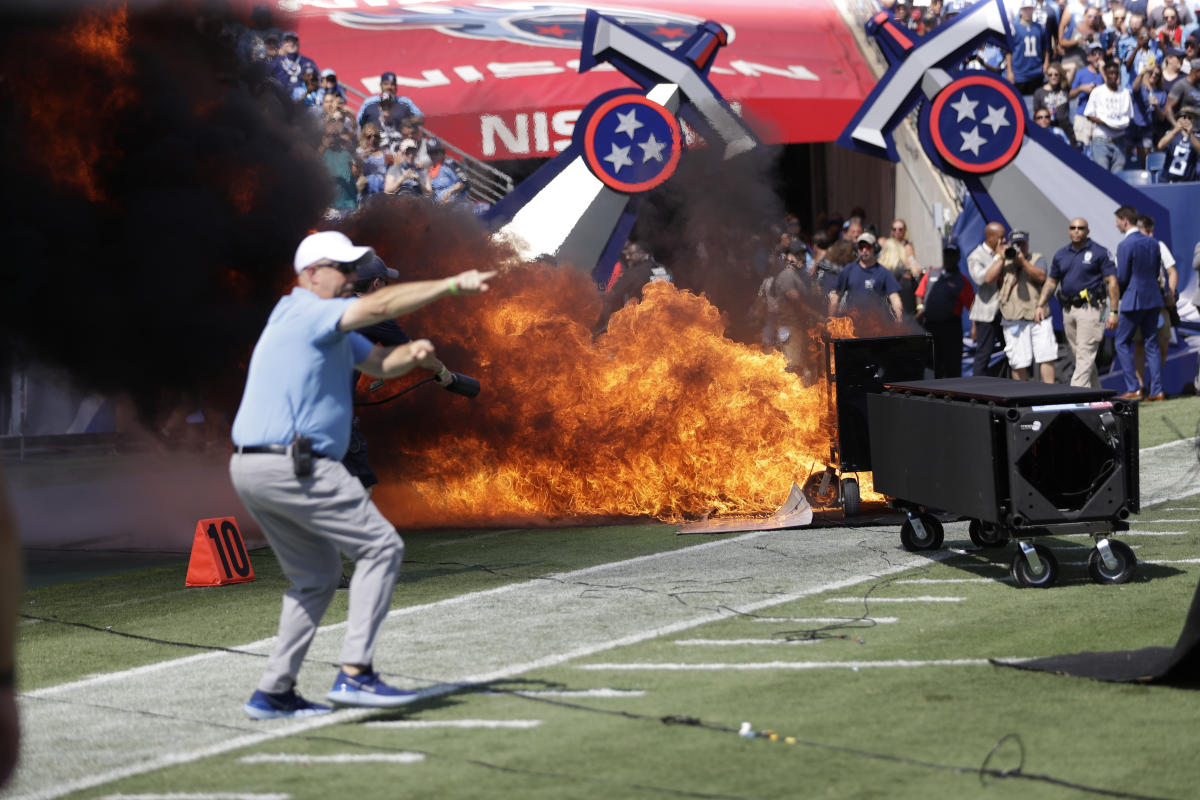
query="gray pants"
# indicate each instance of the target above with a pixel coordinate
(307, 522)
(1084, 327)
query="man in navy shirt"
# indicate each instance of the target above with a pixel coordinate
(1138, 265)
(290, 434)
(1182, 146)
(1084, 274)
(289, 64)
(866, 283)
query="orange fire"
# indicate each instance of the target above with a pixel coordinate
(662, 416)
(67, 107)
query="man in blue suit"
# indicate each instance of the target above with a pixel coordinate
(1138, 264)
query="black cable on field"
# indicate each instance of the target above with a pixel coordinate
(983, 770)
(141, 638)
(667, 790)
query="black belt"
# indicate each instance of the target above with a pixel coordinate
(274, 449)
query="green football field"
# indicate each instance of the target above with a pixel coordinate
(623, 661)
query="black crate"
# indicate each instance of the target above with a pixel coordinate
(1011, 453)
(859, 367)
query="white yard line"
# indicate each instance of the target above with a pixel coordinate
(198, 796)
(465, 724)
(874, 599)
(580, 693)
(336, 758)
(795, 665)
(826, 620)
(739, 642)
(935, 581)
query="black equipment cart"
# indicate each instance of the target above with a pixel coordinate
(1020, 459)
(855, 368)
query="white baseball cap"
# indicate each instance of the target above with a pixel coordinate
(331, 245)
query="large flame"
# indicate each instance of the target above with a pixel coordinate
(661, 416)
(67, 110)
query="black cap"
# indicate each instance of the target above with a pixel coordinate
(375, 268)
(387, 76)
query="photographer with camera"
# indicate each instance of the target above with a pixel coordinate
(1026, 341)
(985, 265)
(291, 431)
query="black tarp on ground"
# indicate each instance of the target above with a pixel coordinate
(1171, 666)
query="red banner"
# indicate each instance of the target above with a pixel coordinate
(501, 79)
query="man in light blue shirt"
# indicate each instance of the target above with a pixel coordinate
(290, 434)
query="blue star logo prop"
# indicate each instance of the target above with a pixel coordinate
(975, 125)
(630, 142)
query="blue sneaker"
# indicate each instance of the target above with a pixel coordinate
(262, 705)
(367, 690)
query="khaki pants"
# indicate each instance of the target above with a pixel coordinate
(1084, 327)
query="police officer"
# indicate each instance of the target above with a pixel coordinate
(289, 436)
(1088, 295)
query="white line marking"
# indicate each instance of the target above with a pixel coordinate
(1165, 521)
(469, 539)
(1171, 561)
(932, 581)
(1192, 442)
(873, 600)
(340, 758)
(764, 665)
(732, 642)
(1153, 533)
(827, 620)
(197, 796)
(581, 693)
(422, 724)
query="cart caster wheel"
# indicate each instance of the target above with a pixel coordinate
(1126, 564)
(986, 535)
(821, 497)
(929, 537)
(850, 497)
(1024, 575)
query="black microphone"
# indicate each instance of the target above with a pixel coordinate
(462, 384)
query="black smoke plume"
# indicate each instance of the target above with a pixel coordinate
(154, 192)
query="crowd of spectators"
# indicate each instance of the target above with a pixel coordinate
(851, 266)
(382, 148)
(1117, 79)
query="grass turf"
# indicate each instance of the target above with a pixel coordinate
(920, 732)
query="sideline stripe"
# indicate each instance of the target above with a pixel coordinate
(580, 693)
(340, 758)
(1171, 561)
(827, 620)
(931, 581)
(1155, 533)
(198, 796)
(763, 665)
(1165, 521)
(730, 642)
(421, 724)
(873, 600)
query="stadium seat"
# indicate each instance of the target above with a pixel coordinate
(1155, 163)
(1136, 177)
